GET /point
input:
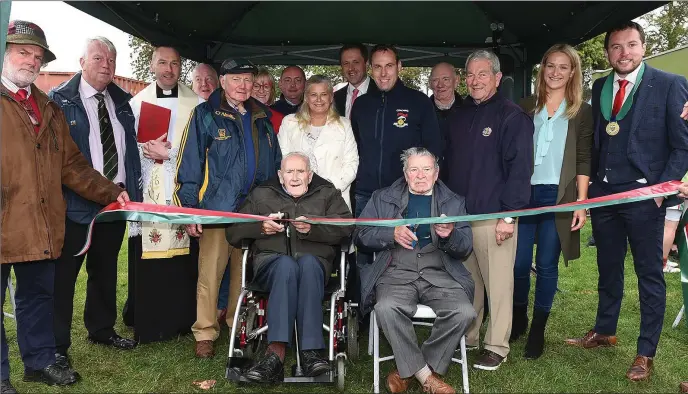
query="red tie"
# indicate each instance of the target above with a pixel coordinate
(23, 94)
(619, 99)
(353, 97)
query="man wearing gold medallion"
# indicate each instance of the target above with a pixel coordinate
(639, 141)
(162, 260)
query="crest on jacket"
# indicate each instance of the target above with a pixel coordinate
(402, 115)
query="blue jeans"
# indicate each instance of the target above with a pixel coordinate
(548, 249)
(224, 289)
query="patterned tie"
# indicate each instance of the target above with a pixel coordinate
(24, 101)
(107, 139)
(619, 98)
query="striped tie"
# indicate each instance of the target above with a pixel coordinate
(107, 139)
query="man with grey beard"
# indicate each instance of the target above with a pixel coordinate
(38, 158)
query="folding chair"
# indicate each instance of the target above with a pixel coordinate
(424, 316)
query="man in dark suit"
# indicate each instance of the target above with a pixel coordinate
(102, 125)
(353, 59)
(639, 141)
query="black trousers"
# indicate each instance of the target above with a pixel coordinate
(161, 302)
(641, 224)
(100, 311)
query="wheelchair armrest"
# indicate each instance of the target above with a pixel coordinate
(344, 244)
(246, 243)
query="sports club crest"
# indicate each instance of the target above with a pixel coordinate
(487, 131)
(402, 117)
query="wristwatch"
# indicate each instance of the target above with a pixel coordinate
(508, 220)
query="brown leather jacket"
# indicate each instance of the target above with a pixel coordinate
(34, 168)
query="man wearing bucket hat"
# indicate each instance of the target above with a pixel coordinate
(38, 158)
(228, 147)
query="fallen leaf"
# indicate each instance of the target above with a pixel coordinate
(205, 384)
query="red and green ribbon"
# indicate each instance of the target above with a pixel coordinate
(140, 212)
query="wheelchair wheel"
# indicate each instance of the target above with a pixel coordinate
(352, 336)
(341, 374)
(254, 346)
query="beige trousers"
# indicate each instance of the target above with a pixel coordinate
(213, 256)
(492, 266)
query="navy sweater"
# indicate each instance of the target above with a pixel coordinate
(385, 124)
(490, 155)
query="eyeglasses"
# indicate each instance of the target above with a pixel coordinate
(267, 87)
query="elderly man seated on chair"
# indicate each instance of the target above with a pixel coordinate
(296, 282)
(418, 264)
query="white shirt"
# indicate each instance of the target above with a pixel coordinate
(14, 88)
(362, 89)
(87, 94)
(631, 78)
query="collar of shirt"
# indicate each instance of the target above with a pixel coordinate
(87, 91)
(362, 89)
(630, 77)
(445, 107)
(428, 193)
(289, 102)
(14, 88)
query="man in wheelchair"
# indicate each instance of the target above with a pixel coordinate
(418, 264)
(293, 269)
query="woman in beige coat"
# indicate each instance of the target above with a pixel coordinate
(327, 138)
(563, 149)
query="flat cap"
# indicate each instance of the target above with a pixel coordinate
(237, 66)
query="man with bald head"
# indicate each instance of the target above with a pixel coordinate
(292, 84)
(443, 82)
(204, 80)
(162, 261)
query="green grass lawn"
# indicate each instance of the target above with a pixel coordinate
(171, 366)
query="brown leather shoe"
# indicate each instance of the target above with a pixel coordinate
(204, 349)
(683, 387)
(593, 340)
(435, 385)
(640, 370)
(397, 384)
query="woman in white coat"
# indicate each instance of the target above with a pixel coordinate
(317, 130)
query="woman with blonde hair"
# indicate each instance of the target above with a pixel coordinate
(317, 130)
(264, 91)
(563, 148)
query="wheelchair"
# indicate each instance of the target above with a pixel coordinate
(248, 336)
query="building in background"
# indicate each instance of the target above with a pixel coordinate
(48, 80)
(673, 61)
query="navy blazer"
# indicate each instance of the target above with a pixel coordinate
(340, 96)
(67, 96)
(658, 144)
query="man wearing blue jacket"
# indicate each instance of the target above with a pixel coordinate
(490, 161)
(228, 147)
(639, 141)
(101, 123)
(386, 121)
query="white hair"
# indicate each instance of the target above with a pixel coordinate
(302, 155)
(483, 54)
(102, 40)
(417, 151)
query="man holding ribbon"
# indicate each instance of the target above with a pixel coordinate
(228, 147)
(38, 158)
(639, 141)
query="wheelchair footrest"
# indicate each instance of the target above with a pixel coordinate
(236, 366)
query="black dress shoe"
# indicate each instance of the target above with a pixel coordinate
(7, 388)
(313, 364)
(51, 375)
(62, 359)
(115, 341)
(268, 370)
